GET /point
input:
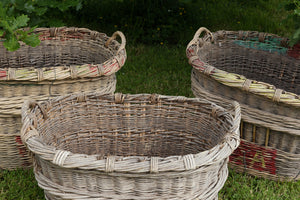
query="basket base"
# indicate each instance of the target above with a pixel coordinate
(189, 185)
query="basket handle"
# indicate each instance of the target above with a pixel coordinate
(29, 120)
(200, 41)
(236, 112)
(123, 40)
(199, 32)
(28, 105)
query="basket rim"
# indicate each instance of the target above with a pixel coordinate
(63, 72)
(241, 82)
(131, 164)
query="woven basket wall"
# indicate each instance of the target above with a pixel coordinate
(127, 146)
(68, 60)
(256, 70)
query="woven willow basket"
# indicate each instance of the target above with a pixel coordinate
(138, 146)
(254, 69)
(68, 60)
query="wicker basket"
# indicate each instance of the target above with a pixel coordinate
(254, 69)
(68, 60)
(138, 146)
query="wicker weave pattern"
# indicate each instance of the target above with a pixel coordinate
(64, 53)
(270, 115)
(259, 137)
(13, 154)
(260, 88)
(68, 60)
(131, 146)
(14, 94)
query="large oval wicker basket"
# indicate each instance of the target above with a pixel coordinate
(256, 70)
(68, 60)
(127, 146)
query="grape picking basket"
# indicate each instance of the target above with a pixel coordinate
(68, 60)
(130, 146)
(256, 70)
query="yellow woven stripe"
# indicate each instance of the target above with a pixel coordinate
(260, 88)
(267, 137)
(253, 133)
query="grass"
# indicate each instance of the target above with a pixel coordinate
(163, 70)
(243, 186)
(19, 185)
(155, 69)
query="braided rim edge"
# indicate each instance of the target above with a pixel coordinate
(239, 81)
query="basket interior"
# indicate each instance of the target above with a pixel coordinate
(57, 52)
(100, 127)
(260, 63)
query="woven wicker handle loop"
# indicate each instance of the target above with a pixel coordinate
(198, 42)
(199, 32)
(123, 40)
(237, 111)
(28, 105)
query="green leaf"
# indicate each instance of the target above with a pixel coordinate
(20, 34)
(296, 35)
(297, 12)
(19, 22)
(295, 38)
(79, 6)
(2, 12)
(32, 40)
(11, 43)
(29, 7)
(40, 11)
(6, 26)
(1, 33)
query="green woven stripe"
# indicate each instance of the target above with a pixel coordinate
(271, 45)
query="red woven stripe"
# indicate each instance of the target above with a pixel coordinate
(22, 151)
(255, 157)
(2, 74)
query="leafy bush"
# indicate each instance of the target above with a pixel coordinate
(10, 30)
(44, 12)
(16, 14)
(294, 7)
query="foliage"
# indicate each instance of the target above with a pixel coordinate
(11, 33)
(294, 7)
(15, 14)
(44, 12)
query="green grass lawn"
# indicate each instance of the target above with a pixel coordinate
(162, 70)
